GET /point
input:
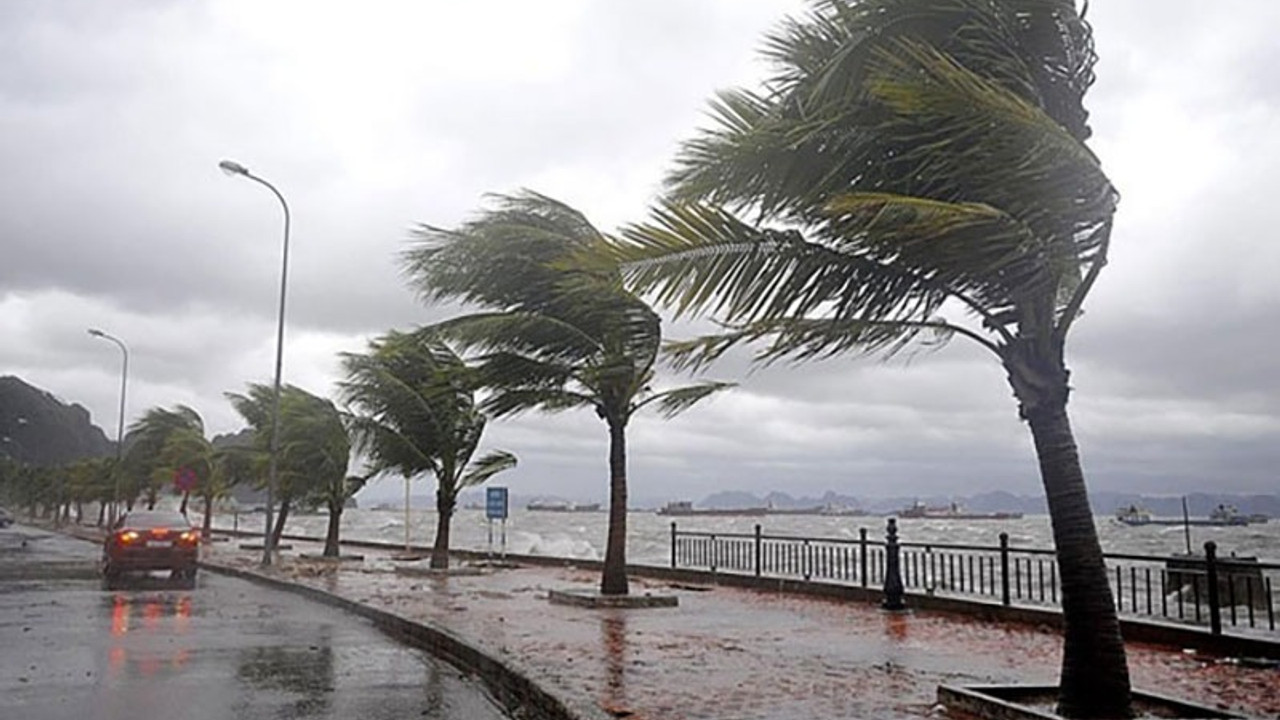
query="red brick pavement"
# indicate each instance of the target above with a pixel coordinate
(739, 654)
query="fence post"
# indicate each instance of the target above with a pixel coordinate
(673, 545)
(1004, 568)
(862, 554)
(893, 589)
(1211, 578)
(759, 549)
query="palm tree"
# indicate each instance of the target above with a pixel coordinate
(150, 457)
(916, 170)
(314, 442)
(314, 449)
(232, 465)
(554, 335)
(416, 413)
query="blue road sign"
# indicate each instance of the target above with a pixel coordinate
(495, 503)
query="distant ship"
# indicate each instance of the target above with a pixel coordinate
(562, 506)
(1221, 515)
(828, 510)
(684, 507)
(920, 511)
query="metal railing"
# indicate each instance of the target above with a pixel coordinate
(1195, 589)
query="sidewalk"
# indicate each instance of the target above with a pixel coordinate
(734, 654)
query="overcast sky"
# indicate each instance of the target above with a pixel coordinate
(371, 117)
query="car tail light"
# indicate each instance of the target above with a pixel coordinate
(160, 533)
(128, 537)
(189, 537)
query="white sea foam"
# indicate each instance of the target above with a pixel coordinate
(583, 535)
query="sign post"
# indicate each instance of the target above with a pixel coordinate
(495, 508)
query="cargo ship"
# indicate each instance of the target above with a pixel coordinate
(684, 507)
(920, 511)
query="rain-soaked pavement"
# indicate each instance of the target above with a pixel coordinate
(227, 649)
(735, 654)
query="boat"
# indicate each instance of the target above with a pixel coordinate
(1134, 515)
(828, 510)
(561, 506)
(684, 507)
(1222, 515)
(920, 511)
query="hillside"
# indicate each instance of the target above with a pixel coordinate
(39, 429)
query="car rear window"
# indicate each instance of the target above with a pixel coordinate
(151, 519)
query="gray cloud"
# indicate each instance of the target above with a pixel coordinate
(113, 214)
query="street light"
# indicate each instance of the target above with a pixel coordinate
(124, 380)
(231, 167)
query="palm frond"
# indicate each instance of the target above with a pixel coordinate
(698, 258)
(675, 401)
(798, 339)
(511, 401)
(485, 467)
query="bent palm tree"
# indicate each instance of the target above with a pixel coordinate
(314, 449)
(919, 172)
(416, 413)
(161, 441)
(554, 336)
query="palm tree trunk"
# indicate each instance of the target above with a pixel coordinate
(1095, 674)
(278, 530)
(614, 579)
(186, 497)
(102, 512)
(206, 528)
(444, 518)
(331, 547)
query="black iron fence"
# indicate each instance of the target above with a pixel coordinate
(1199, 589)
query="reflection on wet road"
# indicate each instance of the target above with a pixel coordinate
(228, 648)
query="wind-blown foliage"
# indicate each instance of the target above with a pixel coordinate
(415, 412)
(914, 171)
(161, 442)
(550, 334)
(314, 450)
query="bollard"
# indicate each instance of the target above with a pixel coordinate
(759, 547)
(673, 544)
(1004, 569)
(893, 590)
(862, 554)
(1211, 580)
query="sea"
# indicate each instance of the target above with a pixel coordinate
(582, 535)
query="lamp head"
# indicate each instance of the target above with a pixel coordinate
(96, 332)
(231, 167)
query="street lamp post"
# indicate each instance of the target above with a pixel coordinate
(124, 381)
(234, 168)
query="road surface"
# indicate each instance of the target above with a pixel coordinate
(227, 649)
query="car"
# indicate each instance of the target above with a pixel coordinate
(151, 540)
(5, 518)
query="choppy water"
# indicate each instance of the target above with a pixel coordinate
(582, 535)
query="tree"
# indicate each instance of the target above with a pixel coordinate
(916, 170)
(553, 335)
(232, 465)
(416, 413)
(162, 441)
(315, 443)
(314, 449)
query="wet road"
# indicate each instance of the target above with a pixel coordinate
(228, 648)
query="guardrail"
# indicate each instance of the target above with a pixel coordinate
(1201, 589)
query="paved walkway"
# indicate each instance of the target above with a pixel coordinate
(739, 654)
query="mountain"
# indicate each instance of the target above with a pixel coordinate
(39, 429)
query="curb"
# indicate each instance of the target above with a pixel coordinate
(520, 697)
